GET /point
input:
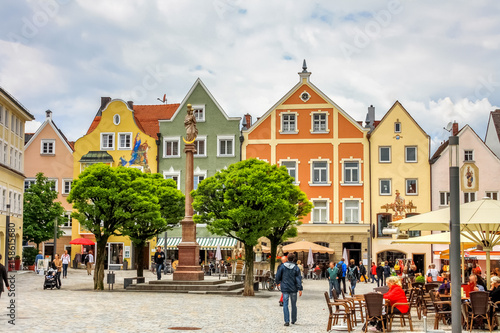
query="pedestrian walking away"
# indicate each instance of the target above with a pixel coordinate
(38, 257)
(291, 283)
(159, 259)
(362, 272)
(352, 276)
(57, 265)
(284, 259)
(65, 262)
(380, 275)
(3, 277)
(373, 273)
(387, 272)
(89, 261)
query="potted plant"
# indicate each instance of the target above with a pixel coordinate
(17, 262)
(29, 255)
(420, 279)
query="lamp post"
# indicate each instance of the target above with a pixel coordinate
(7, 222)
(456, 325)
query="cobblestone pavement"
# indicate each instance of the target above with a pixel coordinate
(78, 308)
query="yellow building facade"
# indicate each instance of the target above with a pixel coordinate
(400, 183)
(13, 117)
(116, 138)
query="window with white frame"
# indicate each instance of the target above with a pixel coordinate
(469, 197)
(320, 211)
(12, 128)
(67, 220)
(1, 114)
(291, 168)
(13, 207)
(410, 154)
(319, 123)
(492, 195)
(200, 144)
(397, 127)
(174, 175)
(53, 186)
(124, 141)
(411, 186)
(11, 157)
(28, 182)
(171, 147)
(384, 154)
(468, 155)
(4, 199)
(225, 146)
(444, 198)
(351, 172)
(196, 180)
(107, 141)
(66, 188)
(20, 162)
(6, 113)
(199, 112)
(385, 187)
(5, 155)
(351, 211)
(19, 203)
(47, 147)
(320, 172)
(288, 122)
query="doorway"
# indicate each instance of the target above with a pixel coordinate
(353, 252)
(419, 260)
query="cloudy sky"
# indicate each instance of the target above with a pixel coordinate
(440, 59)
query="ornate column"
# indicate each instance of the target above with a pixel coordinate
(189, 268)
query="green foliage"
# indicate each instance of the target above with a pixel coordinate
(246, 201)
(29, 255)
(420, 279)
(41, 211)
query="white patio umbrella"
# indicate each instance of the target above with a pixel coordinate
(218, 254)
(310, 258)
(479, 223)
(344, 255)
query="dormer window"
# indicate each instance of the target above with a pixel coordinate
(47, 147)
(199, 112)
(397, 127)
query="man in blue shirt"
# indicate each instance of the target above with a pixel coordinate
(288, 276)
(342, 278)
(38, 256)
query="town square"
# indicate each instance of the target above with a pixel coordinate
(226, 166)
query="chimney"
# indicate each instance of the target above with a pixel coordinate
(455, 128)
(370, 117)
(130, 104)
(48, 114)
(248, 120)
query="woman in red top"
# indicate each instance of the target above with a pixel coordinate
(396, 294)
(374, 272)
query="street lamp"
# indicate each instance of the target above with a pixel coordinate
(456, 325)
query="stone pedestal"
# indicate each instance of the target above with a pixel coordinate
(188, 268)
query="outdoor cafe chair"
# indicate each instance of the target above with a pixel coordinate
(442, 310)
(479, 307)
(344, 313)
(383, 289)
(350, 301)
(415, 300)
(374, 303)
(401, 316)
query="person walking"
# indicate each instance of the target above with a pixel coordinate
(283, 259)
(159, 259)
(373, 274)
(342, 276)
(387, 271)
(57, 263)
(90, 261)
(333, 281)
(38, 257)
(3, 277)
(362, 272)
(65, 263)
(352, 276)
(291, 283)
(380, 275)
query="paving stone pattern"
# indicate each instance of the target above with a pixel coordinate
(77, 308)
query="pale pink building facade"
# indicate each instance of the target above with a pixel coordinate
(48, 151)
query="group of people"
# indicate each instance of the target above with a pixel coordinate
(340, 272)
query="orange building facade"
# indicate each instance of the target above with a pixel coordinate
(327, 153)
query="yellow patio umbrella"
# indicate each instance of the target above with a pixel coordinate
(479, 223)
(304, 246)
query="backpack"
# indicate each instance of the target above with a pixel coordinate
(351, 275)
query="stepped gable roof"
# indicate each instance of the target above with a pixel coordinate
(147, 116)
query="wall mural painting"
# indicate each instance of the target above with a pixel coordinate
(469, 174)
(138, 155)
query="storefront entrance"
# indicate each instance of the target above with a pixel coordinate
(390, 256)
(353, 252)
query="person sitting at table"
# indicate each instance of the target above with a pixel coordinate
(473, 284)
(444, 288)
(495, 290)
(396, 294)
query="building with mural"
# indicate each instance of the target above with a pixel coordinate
(400, 181)
(326, 151)
(13, 116)
(48, 151)
(217, 147)
(479, 170)
(116, 137)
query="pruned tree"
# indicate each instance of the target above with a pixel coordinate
(163, 208)
(41, 211)
(245, 201)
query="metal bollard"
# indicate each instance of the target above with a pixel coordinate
(110, 279)
(425, 324)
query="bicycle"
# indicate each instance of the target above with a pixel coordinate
(272, 284)
(168, 269)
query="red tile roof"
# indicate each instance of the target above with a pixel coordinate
(94, 124)
(147, 116)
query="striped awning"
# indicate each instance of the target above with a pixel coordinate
(205, 243)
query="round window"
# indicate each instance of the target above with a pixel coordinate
(116, 119)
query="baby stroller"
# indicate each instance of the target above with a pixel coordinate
(50, 279)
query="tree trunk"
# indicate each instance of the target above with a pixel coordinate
(274, 249)
(38, 247)
(139, 250)
(99, 264)
(249, 254)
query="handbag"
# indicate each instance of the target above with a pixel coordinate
(429, 277)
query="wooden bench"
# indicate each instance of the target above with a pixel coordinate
(128, 281)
